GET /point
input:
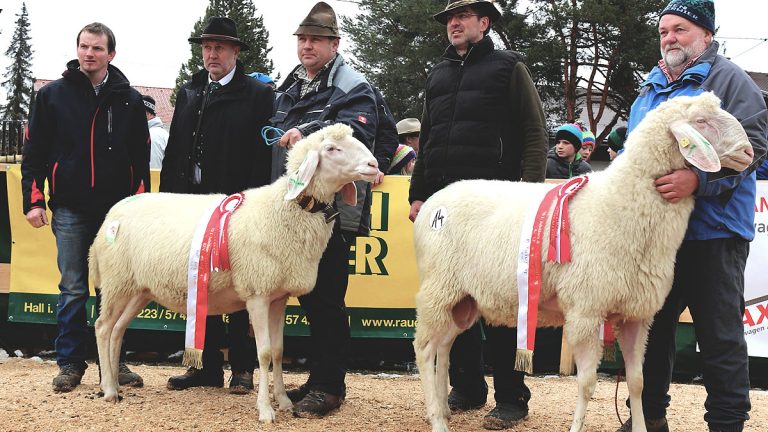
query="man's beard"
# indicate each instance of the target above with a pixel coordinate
(683, 55)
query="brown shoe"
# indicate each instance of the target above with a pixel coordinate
(68, 378)
(241, 383)
(317, 404)
(125, 377)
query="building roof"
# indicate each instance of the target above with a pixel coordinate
(761, 79)
(162, 96)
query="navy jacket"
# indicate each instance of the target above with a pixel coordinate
(93, 150)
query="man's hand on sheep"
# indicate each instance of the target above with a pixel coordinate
(415, 207)
(677, 185)
(289, 138)
(37, 217)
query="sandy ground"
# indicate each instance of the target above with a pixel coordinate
(375, 402)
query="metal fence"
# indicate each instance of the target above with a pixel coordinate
(11, 140)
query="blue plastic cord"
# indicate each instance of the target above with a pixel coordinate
(277, 133)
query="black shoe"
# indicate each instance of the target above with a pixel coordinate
(504, 416)
(197, 378)
(317, 404)
(125, 377)
(68, 378)
(458, 402)
(297, 394)
(652, 425)
(241, 383)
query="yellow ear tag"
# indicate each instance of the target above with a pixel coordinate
(685, 142)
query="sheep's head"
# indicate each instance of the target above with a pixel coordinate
(328, 161)
(707, 136)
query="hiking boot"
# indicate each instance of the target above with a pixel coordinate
(458, 402)
(125, 377)
(197, 378)
(652, 425)
(68, 378)
(298, 394)
(317, 404)
(241, 383)
(504, 416)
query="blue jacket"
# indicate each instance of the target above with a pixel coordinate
(725, 200)
(344, 96)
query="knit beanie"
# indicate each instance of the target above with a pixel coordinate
(588, 138)
(699, 12)
(571, 133)
(616, 138)
(149, 103)
(403, 155)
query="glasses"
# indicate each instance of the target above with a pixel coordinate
(462, 16)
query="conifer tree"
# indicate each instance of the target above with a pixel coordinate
(18, 75)
(250, 29)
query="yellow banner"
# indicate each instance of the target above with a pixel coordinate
(382, 266)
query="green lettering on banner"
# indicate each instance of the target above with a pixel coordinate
(379, 211)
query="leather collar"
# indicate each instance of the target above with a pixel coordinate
(311, 205)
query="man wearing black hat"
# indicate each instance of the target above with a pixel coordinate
(709, 267)
(324, 90)
(482, 119)
(215, 146)
(157, 133)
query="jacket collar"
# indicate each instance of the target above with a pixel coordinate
(697, 72)
(200, 78)
(327, 75)
(474, 51)
(115, 81)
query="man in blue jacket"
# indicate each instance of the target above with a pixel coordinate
(88, 138)
(709, 269)
(324, 90)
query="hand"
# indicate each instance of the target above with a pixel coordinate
(677, 185)
(379, 178)
(289, 138)
(415, 207)
(37, 217)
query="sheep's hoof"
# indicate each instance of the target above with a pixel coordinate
(267, 415)
(440, 426)
(111, 396)
(284, 404)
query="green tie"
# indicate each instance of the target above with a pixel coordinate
(214, 86)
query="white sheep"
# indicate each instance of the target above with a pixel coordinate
(274, 248)
(624, 237)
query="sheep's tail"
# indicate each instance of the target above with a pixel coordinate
(524, 360)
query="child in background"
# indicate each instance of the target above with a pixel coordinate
(564, 160)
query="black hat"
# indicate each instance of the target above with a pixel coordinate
(223, 29)
(149, 103)
(483, 7)
(321, 21)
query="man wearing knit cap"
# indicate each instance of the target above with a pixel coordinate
(482, 119)
(320, 91)
(564, 159)
(709, 267)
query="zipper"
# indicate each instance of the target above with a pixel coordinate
(93, 125)
(53, 177)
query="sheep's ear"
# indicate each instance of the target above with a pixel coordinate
(299, 180)
(349, 194)
(694, 147)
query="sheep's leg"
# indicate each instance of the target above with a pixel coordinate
(104, 327)
(582, 334)
(258, 308)
(632, 336)
(129, 312)
(276, 324)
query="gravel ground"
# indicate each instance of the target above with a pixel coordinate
(375, 402)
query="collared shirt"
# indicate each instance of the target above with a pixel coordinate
(665, 69)
(97, 88)
(307, 84)
(227, 78)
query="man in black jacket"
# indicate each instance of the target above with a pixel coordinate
(482, 120)
(88, 138)
(324, 90)
(215, 146)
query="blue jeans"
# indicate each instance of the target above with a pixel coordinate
(74, 231)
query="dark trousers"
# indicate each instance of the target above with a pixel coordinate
(709, 280)
(328, 320)
(234, 335)
(466, 369)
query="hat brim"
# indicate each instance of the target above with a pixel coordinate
(409, 131)
(311, 30)
(486, 9)
(236, 41)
